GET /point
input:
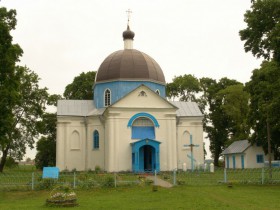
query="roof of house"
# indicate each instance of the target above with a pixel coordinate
(87, 108)
(237, 147)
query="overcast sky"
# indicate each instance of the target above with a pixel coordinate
(62, 38)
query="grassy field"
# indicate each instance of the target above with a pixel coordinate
(142, 197)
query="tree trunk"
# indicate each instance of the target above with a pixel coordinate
(216, 159)
(4, 158)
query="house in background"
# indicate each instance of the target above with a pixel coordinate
(241, 154)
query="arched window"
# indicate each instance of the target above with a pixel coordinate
(107, 97)
(75, 140)
(142, 128)
(186, 138)
(157, 92)
(95, 140)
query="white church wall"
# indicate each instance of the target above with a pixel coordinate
(119, 150)
(60, 145)
(166, 134)
(187, 126)
(71, 143)
(95, 157)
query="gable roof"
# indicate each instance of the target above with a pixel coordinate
(237, 147)
(187, 109)
(87, 107)
(150, 91)
(77, 108)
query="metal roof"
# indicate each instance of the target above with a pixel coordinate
(77, 108)
(87, 108)
(187, 109)
(129, 64)
(237, 147)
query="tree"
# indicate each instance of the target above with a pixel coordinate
(219, 121)
(262, 35)
(186, 87)
(9, 77)
(46, 146)
(264, 116)
(235, 104)
(81, 87)
(21, 100)
(25, 113)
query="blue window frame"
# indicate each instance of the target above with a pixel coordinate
(260, 159)
(95, 140)
(242, 161)
(227, 161)
(233, 162)
(107, 97)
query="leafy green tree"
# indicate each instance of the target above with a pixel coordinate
(172, 90)
(235, 104)
(9, 77)
(262, 35)
(46, 146)
(219, 121)
(185, 87)
(22, 102)
(82, 87)
(11, 162)
(264, 115)
(26, 112)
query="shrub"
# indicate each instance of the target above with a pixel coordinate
(11, 163)
(62, 196)
(109, 182)
(46, 183)
(97, 169)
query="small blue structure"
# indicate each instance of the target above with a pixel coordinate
(50, 172)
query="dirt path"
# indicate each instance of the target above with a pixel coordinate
(159, 182)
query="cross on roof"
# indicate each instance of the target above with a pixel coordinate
(128, 12)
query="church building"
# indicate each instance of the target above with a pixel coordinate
(129, 125)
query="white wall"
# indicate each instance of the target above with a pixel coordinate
(187, 126)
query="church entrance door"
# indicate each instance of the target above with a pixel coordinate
(145, 155)
(147, 161)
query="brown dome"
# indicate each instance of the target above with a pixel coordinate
(129, 64)
(128, 34)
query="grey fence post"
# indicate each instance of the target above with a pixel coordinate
(262, 175)
(225, 175)
(32, 183)
(74, 184)
(174, 177)
(115, 179)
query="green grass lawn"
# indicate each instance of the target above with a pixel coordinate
(142, 197)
